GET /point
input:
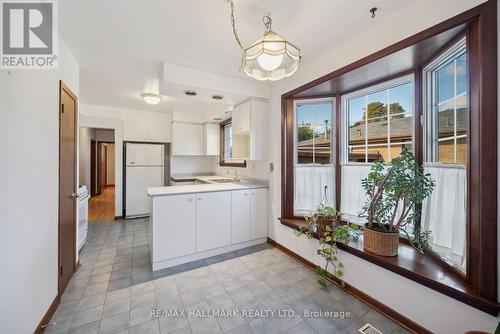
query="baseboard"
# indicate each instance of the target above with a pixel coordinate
(48, 315)
(372, 302)
(119, 217)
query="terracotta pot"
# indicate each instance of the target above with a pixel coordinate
(321, 224)
(380, 243)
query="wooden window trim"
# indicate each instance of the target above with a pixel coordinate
(479, 288)
(222, 160)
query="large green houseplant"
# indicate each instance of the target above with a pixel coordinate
(325, 223)
(395, 192)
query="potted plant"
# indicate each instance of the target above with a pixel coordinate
(394, 191)
(325, 223)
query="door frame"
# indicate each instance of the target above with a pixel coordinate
(93, 167)
(65, 88)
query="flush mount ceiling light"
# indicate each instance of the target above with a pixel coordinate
(152, 98)
(271, 57)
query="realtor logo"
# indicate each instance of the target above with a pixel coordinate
(29, 37)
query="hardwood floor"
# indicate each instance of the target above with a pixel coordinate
(102, 207)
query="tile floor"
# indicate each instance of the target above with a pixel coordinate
(115, 290)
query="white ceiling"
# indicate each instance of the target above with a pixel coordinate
(121, 45)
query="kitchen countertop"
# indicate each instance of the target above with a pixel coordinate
(208, 187)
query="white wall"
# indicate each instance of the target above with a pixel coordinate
(180, 164)
(86, 134)
(29, 147)
(433, 310)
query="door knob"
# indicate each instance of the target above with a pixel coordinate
(74, 195)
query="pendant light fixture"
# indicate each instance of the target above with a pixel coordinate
(271, 57)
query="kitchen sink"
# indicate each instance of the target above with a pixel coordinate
(224, 180)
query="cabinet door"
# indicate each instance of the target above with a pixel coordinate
(258, 213)
(241, 118)
(135, 130)
(240, 216)
(187, 139)
(213, 220)
(211, 131)
(158, 131)
(174, 226)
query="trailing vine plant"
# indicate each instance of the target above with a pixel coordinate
(325, 223)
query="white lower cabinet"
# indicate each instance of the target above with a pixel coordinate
(213, 220)
(190, 227)
(174, 226)
(240, 216)
(258, 213)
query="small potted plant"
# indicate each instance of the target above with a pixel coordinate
(394, 191)
(325, 223)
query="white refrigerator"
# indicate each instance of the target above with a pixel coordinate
(146, 165)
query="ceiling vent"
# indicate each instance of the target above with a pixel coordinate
(217, 119)
(217, 97)
(369, 329)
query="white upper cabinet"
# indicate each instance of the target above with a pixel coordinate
(146, 130)
(187, 138)
(241, 118)
(250, 130)
(211, 136)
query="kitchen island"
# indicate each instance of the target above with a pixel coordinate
(197, 221)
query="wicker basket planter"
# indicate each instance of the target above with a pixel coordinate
(380, 243)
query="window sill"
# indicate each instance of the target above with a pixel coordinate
(421, 268)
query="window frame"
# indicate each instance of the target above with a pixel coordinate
(222, 160)
(344, 119)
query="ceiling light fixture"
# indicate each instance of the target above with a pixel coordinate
(152, 98)
(271, 57)
(190, 93)
(217, 97)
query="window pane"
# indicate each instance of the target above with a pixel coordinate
(461, 74)
(322, 144)
(356, 128)
(377, 107)
(357, 153)
(228, 141)
(446, 119)
(446, 150)
(397, 148)
(305, 114)
(378, 153)
(461, 114)
(322, 113)
(445, 82)
(462, 150)
(401, 98)
(305, 144)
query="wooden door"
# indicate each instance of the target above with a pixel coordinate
(93, 168)
(67, 185)
(99, 169)
(104, 164)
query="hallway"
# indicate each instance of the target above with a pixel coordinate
(115, 290)
(102, 207)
